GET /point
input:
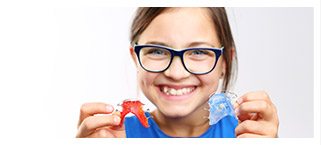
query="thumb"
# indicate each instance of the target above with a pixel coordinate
(118, 120)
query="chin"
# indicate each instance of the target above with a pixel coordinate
(175, 111)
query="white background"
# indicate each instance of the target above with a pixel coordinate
(275, 49)
(52, 61)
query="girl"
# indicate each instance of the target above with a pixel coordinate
(181, 54)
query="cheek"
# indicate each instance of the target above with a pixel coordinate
(145, 79)
(210, 81)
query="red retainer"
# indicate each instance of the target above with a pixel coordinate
(135, 107)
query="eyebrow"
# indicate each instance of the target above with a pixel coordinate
(193, 44)
(158, 43)
(197, 43)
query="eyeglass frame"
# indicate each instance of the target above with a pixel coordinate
(180, 53)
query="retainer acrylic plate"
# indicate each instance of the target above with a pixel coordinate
(221, 105)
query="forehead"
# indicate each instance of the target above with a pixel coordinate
(181, 26)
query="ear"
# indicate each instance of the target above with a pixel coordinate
(224, 65)
(133, 55)
(222, 76)
(232, 53)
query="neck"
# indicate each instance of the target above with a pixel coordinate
(192, 125)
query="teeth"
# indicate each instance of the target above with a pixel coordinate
(179, 92)
(165, 89)
(172, 91)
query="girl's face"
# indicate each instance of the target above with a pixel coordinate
(180, 28)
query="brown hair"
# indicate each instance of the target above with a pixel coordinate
(144, 16)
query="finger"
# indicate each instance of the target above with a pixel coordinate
(250, 126)
(262, 108)
(250, 135)
(89, 109)
(90, 124)
(249, 116)
(102, 133)
(258, 95)
(236, 104)
(119, 126)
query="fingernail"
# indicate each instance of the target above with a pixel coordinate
(235, 105)
(109, 108)
(239, 100)
(237, 111)
(116, 119)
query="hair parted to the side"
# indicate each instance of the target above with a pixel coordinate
(145, 15)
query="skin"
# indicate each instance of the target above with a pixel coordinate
(92, 125)
(183, 117)
(191, 28)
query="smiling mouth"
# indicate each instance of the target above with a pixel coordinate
(177, 91)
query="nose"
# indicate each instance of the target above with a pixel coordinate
(176, 70)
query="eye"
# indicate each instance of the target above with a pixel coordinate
(155, 51)
(198, 52)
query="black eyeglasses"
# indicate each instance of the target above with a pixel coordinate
(157, 58)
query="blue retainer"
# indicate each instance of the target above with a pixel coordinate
(220, 106)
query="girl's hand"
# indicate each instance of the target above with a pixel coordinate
(257, 116)
(93, 125)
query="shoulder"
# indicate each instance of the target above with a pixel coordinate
(134, 129)
(225, 128)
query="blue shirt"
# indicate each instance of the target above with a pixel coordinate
(222, 129)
